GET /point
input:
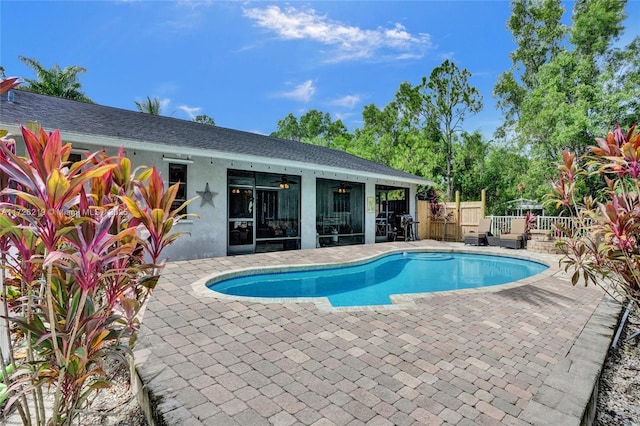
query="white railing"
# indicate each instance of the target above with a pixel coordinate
(502, 224)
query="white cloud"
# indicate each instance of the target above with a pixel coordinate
(190, 111)
(302, 92)
(164, 103)
(349, 101)
(349, 42)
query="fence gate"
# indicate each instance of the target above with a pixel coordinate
(462, 217)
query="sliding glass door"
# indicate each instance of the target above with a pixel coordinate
(241, 236)
(264, 212)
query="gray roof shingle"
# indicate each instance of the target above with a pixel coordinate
(92, 119)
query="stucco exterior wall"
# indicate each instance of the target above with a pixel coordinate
(206, 235)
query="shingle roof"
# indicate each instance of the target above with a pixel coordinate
(92, 119)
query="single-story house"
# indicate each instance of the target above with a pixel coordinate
(257, 193)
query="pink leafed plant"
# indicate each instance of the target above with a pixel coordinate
(603, 243)
(86, 262)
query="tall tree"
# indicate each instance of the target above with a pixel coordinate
(538, 33)
(401, 135)
(55, 81)
(149, 106)
(567, 84)
(450, 98)
(565, 110)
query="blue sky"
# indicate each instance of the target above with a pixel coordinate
(249, 64)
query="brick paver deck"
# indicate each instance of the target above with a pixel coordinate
(499, 355)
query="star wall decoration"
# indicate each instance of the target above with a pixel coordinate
(206, 196)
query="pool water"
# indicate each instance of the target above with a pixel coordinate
(373, 282)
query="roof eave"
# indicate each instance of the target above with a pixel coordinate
(117, 142)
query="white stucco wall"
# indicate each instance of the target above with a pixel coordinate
(207, 235)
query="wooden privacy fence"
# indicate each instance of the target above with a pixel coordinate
(462, 217)
(465, 217)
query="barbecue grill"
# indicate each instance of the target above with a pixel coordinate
(406, 221)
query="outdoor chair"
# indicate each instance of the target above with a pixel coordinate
(517, 237)
(479, 238)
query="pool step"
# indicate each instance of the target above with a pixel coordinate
(429, 256)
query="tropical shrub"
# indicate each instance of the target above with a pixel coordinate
(602, 246)
(88, 238)
(531, 222)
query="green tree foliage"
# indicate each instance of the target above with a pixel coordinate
(449, 98)
(503, 170)
(55, 81)
(204, 119)
(416, 132)
(398, 134)
(149, 106)
(620, 80)
(288, 128)
(314, 127)
(314, 124)
(566, 84)
(563, 111)
(469, 166)
(538, 33)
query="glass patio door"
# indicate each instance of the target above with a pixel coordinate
(241, 190)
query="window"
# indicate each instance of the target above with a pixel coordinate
(74, 157)
(178, 174)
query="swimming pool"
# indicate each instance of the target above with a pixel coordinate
(372, 283)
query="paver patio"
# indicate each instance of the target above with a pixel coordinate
(522, 353)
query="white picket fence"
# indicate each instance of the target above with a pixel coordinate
(502, 224)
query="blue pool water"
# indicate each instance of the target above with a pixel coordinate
(371, 283)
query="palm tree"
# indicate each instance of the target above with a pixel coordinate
(62, 83)
(150, 106)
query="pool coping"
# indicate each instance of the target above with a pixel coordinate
(566, 397)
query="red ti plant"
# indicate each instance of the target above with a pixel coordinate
(603, 243)
(438, 210)
(88, 260)
(530, 223)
